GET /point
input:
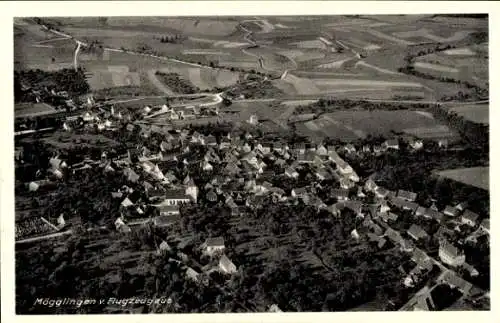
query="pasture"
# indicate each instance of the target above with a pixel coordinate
(471, 68)
(352, 124)
(474, 176)
(478, 113)
(348, 86)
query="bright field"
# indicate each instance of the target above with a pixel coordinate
(119, 69)
(475, 176)
(350, 125)
(350, 87)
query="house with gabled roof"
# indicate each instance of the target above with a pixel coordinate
(407, 195)
(213, 246)
(278, 147)
(210, 140)
(291, 172)
(387, 216)
(306, 158)
(383, 206)
(354, 206)
(433, 214)
(417, 233)
(451, 211)
(350, 149)
(470, 218)
(165, 209)
(420, 211)
(176, 197)
(206, 166)
(341, 194)
(381, 192)
(450, 254)
(226, 265)
(404, 204)
(321, 150)
(391, 144)
(192, 274)
(299, 148)
(299, 192)
(473, 272)
(370, 185)
(323, 174)
(485, 226)
(334, 209)
(416, 144)
(346, 183)
(264, 147)
(121, 226)
(166, 220)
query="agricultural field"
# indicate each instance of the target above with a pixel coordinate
(192, 26)
(35, 48)
(478, 113)
(474, 176)
(349, 57)
(460, 64)
(22, 110)
(350, 87)
(351, 125)
(64, 140)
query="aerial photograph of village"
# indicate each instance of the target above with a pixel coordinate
(242, 164)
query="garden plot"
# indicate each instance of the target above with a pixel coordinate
(474, 176)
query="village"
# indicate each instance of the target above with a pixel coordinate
(240, 171)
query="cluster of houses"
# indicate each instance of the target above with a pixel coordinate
(240, 168)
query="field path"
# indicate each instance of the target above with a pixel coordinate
(378, 69)
(159, 85)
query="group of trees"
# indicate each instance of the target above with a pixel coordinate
(330, 104)
(176, 83)
(69, 80)
(254, 89)
(474, 133)
(173, 39)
